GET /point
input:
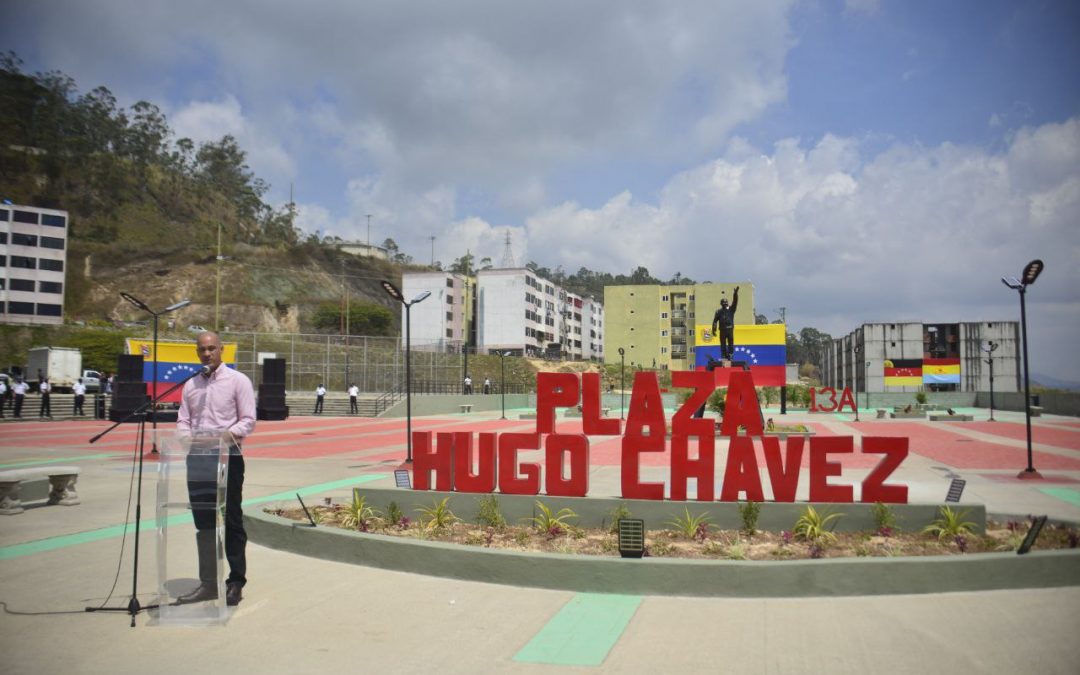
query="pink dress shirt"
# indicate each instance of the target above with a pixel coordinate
(225, 401)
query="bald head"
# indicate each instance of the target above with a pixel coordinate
(208, 347)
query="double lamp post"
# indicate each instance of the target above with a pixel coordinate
(395, 293)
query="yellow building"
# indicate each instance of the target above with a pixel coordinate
(655, 324)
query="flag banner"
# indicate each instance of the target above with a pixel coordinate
(941, 371)
(762, 347)
(175, 361)
(903, 372)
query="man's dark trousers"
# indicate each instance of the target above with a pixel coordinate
(202, 491)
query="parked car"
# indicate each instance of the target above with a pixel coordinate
(91, 379)
(196, 329)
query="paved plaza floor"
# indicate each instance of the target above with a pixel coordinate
(305, 615)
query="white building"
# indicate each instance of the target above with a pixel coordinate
(858, 359)
(502, 310)
(441, 321)
(33, 256)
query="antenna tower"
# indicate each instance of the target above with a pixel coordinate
(508, 254)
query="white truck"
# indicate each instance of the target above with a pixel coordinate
(62, 365)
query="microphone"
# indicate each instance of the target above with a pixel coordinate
(205, 371)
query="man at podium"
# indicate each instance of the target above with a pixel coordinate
(220, 399)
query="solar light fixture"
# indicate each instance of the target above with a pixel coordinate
(1030, 274)
(1032, 535)
(306, 512)
(956, 488)
(631, 537)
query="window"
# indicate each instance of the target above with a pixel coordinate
(663, 350)
(663, 298)
(23, 262)
(2, 284)
(449, 283)
(663, 315)
(53, 265)
(22, 285)
(20, 239)
(48, 310)
(691, 297)
(3, 261)
(52, 242)
(449, 316)
(55, 221)
(4, 214)
(21, 308)
(449, 332)
(663, 333)
(3, 237)
(691, 315)
(26, 217)
(449, 299)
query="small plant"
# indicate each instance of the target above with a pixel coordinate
(712, 548)
(1074, 538)
(737, 551)
(885, 519)
(814, 527)
(404, 522)
(521, 538)
(749, 512)
(949, 523)
(817, 550)
(660, 548)
(688, 525)
(394, 514)
(551, 524)
(489, 536)
(786, 536)
(717, 401)
(920, 398)
(438, 516)
(489, 514)
(358, 514)
(619, 512)
(961, 542)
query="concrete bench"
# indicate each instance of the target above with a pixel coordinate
(882, 413)
(527, 416)
(61, 479)
(938, 417)
(466, 407)
(576, 412)
(1036, 411)
(913, 415)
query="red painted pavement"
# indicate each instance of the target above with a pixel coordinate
(1059, 438)
(963, 452)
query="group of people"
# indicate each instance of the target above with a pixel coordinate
(14, 397)
(467, 388)
(320, 397)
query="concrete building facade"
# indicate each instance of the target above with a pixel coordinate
(655, 324)
(33, 260)
(857, 360)
(503, 310)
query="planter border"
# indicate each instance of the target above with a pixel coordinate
(669, 576)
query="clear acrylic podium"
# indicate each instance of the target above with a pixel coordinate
(192, 481)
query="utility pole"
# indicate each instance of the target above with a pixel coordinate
(217, 287)
(432, 238)
(369, 233)
(783, 315)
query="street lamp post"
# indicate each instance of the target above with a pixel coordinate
(857, 349)
(502, 383)
(622, 383)
(153, 386)
(989, 349)
(1031, 273)
(394, 293)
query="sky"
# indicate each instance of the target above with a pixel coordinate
(857, 161)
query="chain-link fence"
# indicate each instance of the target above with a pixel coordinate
(374, 364)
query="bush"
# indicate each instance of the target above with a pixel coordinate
(489, 513)
(920, 397)
(717, 401)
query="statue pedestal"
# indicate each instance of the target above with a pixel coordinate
(723, 375)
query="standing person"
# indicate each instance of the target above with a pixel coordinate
(3, 396)
(108, 385)
(723, 324)
(46, 408)
(221, 401)
(20, 390)
(468, 384)
(487, 385)
(354, 391)
(80, 397)
(320, 393)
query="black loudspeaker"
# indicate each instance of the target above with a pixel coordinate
(271, 390)
(127, 396)
(129, 368)
(274, 371)
(270, 415)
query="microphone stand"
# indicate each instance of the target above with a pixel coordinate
(133, 607)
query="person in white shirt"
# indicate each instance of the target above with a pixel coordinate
(20, 390)
(79, 390)
(320, 393)
(487, 385)
(354, 391)
(46, 409)
(3, 396)
(468, 384)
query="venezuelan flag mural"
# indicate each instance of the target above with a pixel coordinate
(762, 347)
(941, 371)
(175, 361)
(904, 372)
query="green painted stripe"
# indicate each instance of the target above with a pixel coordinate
(36, 462)
(53, 543)
(1064, 494)
(582, 632)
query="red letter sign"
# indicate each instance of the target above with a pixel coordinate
(509, 480)
(821, 468)
(741, 474)
(703, 468)
(783, 471)
(484, 478)
(591, 422)
(741, 408)
(553, 390)
(874, 488)
(439, 460)
(556, 447)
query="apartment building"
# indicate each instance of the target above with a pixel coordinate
(914, 356)
(654, 324)
(33, 257)
(444, 320)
